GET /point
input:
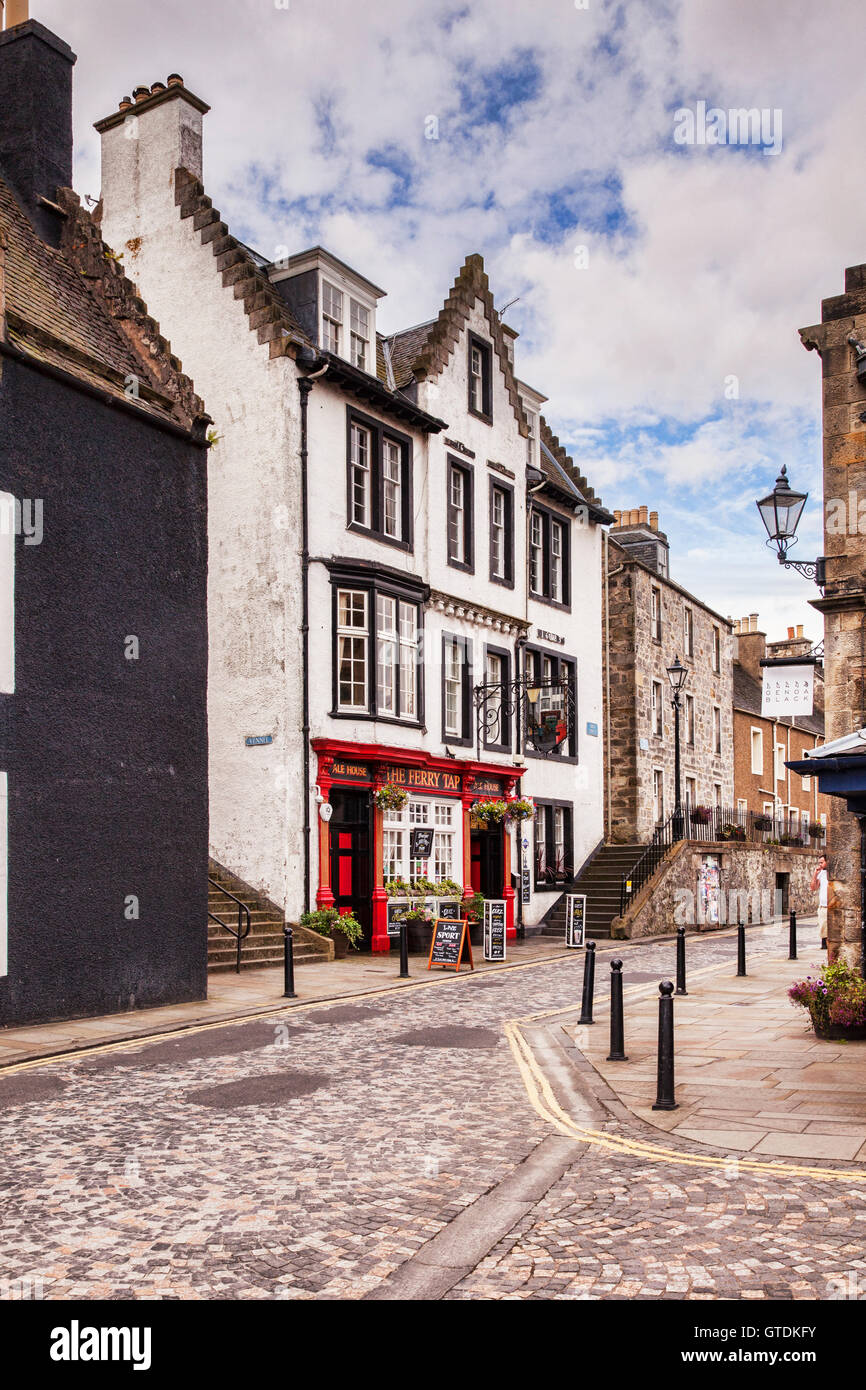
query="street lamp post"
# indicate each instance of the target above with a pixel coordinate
(677, 675)
(780, 512)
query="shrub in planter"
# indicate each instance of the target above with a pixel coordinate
(397, 888)
(702, 815)
(835, 1000)
(473, 908)
(733, 832)
(343, 928)
(763, 823)
(816, 830)
(448, 888)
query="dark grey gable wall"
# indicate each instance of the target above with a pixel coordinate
(106, 758)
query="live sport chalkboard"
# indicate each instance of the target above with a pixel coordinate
(421, 842)
(575, 919)
(450, 943)
(494, 929)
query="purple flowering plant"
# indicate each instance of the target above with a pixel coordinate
(837, 995)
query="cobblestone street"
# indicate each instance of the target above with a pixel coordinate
(312, 1156)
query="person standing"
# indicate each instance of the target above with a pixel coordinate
(820, 884)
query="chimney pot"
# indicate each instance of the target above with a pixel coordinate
(790, 634)
(141, 93)
(654, 520)
(643, 516)
(157, 87)
(800, 631)
(124, 104)
(753, 622)
(175, 79)
(616, 518)
(634, 516)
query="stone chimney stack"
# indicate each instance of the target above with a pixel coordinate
(35, 116)
(638, 531)
(144, 142)
(751, 646)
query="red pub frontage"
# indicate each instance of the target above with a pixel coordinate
(362, 847)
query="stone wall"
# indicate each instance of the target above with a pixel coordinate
(636, 659)
(746, 869)
(844, 601)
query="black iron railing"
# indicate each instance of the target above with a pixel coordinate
(241, 931)
(714, 825)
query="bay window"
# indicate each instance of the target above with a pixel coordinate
(377, 661)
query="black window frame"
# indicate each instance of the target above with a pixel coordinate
(505, 721)
(347, 576)
(465, 739)
(494, 486)
(548, 806)
(689, 632)
(547, 515)
(486, 349)
(379, 432)
(573, 742)
(468, 472)
(690, 720)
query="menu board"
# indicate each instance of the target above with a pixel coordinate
(421, 842)
(575, 919)
(450, 944)
(494, 929)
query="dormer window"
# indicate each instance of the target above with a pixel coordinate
(360, 333)
(332, 317)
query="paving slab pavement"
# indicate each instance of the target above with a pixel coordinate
(751, 1077)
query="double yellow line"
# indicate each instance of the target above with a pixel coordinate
(544, 1102)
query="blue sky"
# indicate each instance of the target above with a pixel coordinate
(659, 286)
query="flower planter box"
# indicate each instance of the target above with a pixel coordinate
(419, 933)
(837, 1032)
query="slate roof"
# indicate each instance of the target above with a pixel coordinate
(748, 699)
(72, 308)
(560, 469)
(406, 348)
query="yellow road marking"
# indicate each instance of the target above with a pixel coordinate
(545, 1103)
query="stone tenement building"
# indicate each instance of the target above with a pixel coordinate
(650, 621)
(763, 745)
(840, 340)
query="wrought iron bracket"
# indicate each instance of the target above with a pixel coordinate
(504, 714)
(810, 569)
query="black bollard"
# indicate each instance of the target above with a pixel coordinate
(792, 937)
(588, 984)
(681, 961)
(617, 1040)
(288, 964)
(665, 1098)
(404, 951)
(741, 949)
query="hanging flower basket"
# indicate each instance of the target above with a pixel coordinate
(391, 797)
(521, 809)
(816, 830)
(763, 823)
(489, 812)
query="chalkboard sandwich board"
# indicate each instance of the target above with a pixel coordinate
(450, 941)
(494, 929)
(575, 919)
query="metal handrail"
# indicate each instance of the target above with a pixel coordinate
(711, 824)
(243, 910)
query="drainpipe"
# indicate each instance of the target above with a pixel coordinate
(518, 716)
(305, 386)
